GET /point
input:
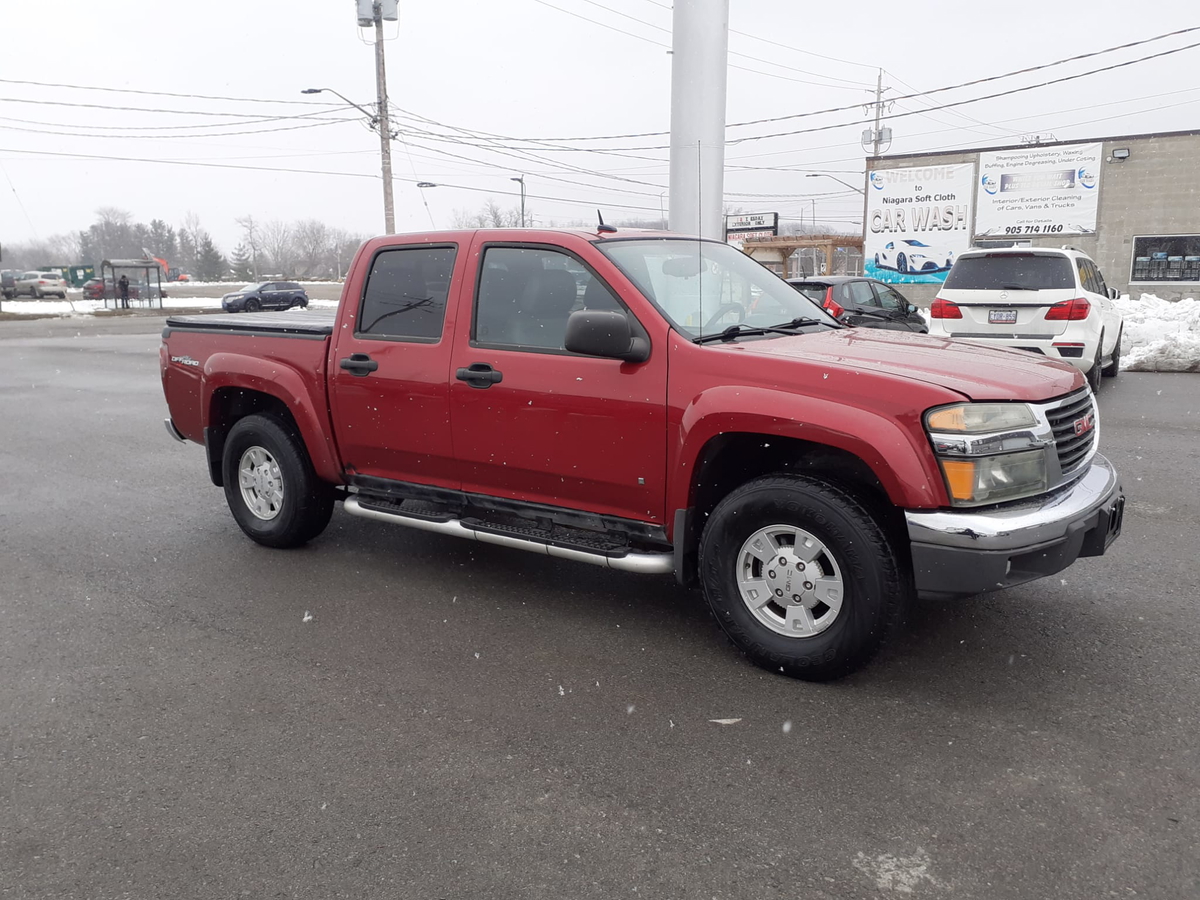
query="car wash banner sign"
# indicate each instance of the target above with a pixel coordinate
(1039, 190)
(918, 221)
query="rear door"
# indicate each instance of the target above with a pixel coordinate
(389, 366)
(1008, 294)
(533, 422)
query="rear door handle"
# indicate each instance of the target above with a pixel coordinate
(479, 375)
(359, 364)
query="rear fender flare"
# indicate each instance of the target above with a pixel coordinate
(286, 384)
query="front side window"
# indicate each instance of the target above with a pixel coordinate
(704, 287)
(405, 295)
(527, 294)
(889, 299)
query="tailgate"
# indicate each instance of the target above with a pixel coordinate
(1005, 313)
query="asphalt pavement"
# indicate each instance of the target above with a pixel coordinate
(392, 714)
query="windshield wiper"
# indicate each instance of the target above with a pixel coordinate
(739, 330)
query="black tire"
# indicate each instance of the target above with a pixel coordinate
(1093, 374)
(902, 264)
(252, 305)
(36, 293)
(876, 585)
(307, 502)
(877, 260)
(1113, 369)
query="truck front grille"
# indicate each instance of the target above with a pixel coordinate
(1074, 449)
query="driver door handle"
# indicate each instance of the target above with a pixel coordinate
(479, 375)
(359, 364)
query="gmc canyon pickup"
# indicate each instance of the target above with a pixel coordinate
(656, 404)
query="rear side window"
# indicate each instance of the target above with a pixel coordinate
(861, 293)
(406, 292)
(812, 291)
(1011, 272)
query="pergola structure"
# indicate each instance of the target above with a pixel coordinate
(109, 267)
(779, 249)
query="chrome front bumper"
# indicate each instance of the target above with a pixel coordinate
(959, 553)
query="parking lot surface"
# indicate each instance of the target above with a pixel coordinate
(386, 713)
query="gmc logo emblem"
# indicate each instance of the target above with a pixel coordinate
(1084, 425)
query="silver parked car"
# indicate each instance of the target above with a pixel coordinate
(39, 284)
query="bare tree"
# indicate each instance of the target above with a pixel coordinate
(277, 241)
(252, 240)
(311, 240)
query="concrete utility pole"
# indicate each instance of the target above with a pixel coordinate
(385, 131)
(700, 48)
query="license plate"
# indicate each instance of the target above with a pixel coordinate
(1002, 317)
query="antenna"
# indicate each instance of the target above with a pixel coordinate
(699, 233)
(602, 228)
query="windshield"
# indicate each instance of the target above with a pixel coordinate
(704, 287)
(1010, 271)
(251, 287)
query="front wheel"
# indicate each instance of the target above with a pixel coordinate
(801, 576)
(252, 306)
(902, 263)
(272, 490)
(1093, 374)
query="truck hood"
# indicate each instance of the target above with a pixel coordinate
(976, 371)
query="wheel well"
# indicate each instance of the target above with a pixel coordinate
(730, 460)
(226, 407)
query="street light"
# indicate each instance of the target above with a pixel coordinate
(425, 184)
(379, 121)
(521, 178)
(838, 180)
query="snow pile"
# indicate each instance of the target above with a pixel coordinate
(1159, 335)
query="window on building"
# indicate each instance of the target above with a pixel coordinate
(1174, 257)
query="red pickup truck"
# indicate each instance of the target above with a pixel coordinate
(657, 404)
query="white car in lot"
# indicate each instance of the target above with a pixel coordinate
(1042, 300)
(913, 257)
(39, 284)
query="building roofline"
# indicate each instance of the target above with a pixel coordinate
(1119, 137)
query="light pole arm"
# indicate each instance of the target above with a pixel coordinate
(365, 112)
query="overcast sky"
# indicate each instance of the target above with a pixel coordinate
(529, 69)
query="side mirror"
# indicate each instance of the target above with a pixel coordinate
(606, 333)
(910, 308)
(1114, 294)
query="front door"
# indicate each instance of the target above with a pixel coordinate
(534, 422)
(389, 367)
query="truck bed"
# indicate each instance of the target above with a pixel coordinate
(299, 323)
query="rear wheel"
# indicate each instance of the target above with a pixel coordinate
(273, 492)
(1093, 374)
(36, 293)
(801, 576)
(1113, 369)
(253, 306)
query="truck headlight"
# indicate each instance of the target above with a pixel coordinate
(989, 452)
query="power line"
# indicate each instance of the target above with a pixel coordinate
(668, 47)
(127, 128)
(92, 87)
(858, 84)
(951, 87)
(755, 37)
(179, 112)
(177, 137)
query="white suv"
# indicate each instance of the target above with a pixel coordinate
(39, 284)
(1052, 302)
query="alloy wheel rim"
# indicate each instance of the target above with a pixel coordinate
(261, 483)
(790, 581)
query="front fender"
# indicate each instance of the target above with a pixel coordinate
(898, 456)
(285, 383)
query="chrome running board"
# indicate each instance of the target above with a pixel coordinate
(643, 563)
